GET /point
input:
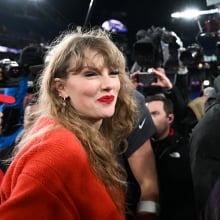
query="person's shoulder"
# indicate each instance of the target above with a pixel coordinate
(138, 96)
(140, 100)
(57, 153)
(57, 143)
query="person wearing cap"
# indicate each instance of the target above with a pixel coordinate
(5, 99)
(9, 100)
(30, 114)
(12, 109)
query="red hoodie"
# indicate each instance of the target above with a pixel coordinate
(52, 178)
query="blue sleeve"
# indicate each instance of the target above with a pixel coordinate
(18, 92)
(6, 141)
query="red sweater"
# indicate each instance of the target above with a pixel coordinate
(51, 178)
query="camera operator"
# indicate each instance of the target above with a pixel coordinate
(16, 78)
(4, 99)
(9, 100)
(163, 85)
(160, 49)
(15, 85)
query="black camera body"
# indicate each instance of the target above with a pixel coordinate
(10, 73)
(145, 79)
(157, 47)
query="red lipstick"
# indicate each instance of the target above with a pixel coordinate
(108, 99)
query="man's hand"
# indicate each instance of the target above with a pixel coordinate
(162, 80)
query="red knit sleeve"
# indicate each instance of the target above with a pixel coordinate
(52, 178)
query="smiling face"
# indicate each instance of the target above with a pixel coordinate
(92, 91)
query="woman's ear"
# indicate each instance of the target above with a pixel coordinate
(59, 85)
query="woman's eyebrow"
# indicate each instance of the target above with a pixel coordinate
(90, 68)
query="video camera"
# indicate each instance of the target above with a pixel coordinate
(10, 73)
(147, 52)
(30, 64)
(157, 47)
(192, 55)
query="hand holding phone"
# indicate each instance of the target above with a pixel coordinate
(145, 79)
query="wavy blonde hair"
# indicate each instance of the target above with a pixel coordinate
(101, 145)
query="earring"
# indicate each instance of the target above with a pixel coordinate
(64, 102)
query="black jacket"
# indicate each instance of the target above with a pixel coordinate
(174, 175)
(205, 149)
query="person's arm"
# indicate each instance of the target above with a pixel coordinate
(170, 91)
(142, 164)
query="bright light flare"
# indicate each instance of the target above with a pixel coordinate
(188, 14)
(193, 13)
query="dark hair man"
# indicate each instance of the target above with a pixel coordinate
(172, 160)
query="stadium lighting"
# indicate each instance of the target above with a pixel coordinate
(190, 14)
(193, 13)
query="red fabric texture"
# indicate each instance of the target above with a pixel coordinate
(52, 178)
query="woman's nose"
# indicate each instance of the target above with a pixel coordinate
(107, 82)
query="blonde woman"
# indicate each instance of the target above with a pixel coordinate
(66, 167)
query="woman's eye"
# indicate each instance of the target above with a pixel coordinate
(114, 73)
(89, 74)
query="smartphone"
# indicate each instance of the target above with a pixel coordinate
(146, 78)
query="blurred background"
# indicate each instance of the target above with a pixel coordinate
(183, 30)
(182, 37)
(31, 21)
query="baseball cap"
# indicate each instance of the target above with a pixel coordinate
(7, 99)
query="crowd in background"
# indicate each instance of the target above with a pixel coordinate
(183, 103)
